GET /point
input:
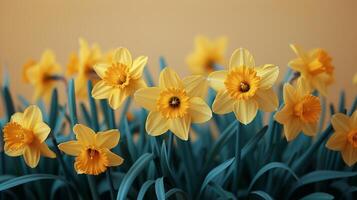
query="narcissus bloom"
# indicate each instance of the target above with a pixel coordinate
(344, 139)
(92, 151)
(174, 105)
(301, 111)
(206, 55)
(44, 75)
(25, 68)
(244, 88)
(25, 135)
(315, 66)
(119, 78)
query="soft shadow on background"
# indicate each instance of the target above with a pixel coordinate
(156, 28)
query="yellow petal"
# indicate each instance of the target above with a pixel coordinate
(349, 155)
(72, 148)
(196, 86)
(354, 119)
(117, 98)
(32, 116)
(320, 84)
(302, 86)
(180, 127)
(291, 129)
(113, 159)
(341, 123)
(17, 117)
(297, 65)
(267, 100)
(108, 139)
(41, 130)
(241, 57)
(289, 93)
(136, 70)
(13, 151)
(268, 74)
(216, 79)
(310, 129)
(47, 152)
(147, 97)
(245, 110)
(284, 114)
(123, 56)
(355, 79)
(101, 90)
(169, 79)
(298, 51)
(100, 69)
(31, 156)
(223, 103)
(337, 141)
(199, 110)
(156, 124)
(84, 134)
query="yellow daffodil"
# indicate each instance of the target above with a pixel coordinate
(73, 63)
(244, 88)
(344, 139)
(173, 105)
(44, 75)
(301, 111)
(92, 151)
(355, 79)
(25, 135)
(315, 66)
(119, 78)
(206, 55)
(25, 68)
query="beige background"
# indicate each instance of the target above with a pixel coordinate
(166, 28)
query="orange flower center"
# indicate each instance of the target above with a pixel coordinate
(209, 65)
(173, 102)
(91, 161)
(352, 138)
(117, 75)
(321, 63)
(242, 82)
(16, 137)
(308, 109)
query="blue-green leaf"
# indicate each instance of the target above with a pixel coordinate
(144, 188)
(159, 188)
(262, 195)
(26, 179)
(176, 191)
(319, 196)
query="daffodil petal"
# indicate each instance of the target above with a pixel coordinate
(349, 155)
(302, 86)
(284, 114)
(320, 83)
(298, 51)
(223, 103)
(170, 79)
(101, 90)
(31, 156)
(196, 86)
(17, 117)
(84, 134)
(180, 127)
(41, 130)
(32, 116)
(297, 65)
(245, 110)
(156, 124)
(123, 56)
(310, 129)
(199, 110)
(241, 57)
(108, 139)
(113, 159)
(269, 74)
(337, 141)
(291, 129)
(289, 93)
(147, 97)
(47, 152)
(354, 120)
(341, 123)
(117, 98)
(13, 151)
(216, 79)
(137, 68)
(267, 100)
(355, 79)
(100, 69)
(72, 148)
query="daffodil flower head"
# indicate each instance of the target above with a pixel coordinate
(25, 135)
(301, 111)
(174, 105)
(119, 78)
(315, 66)
(25, 68)
(344, 139)
(244, 88)
(92, 150)
(207, 54)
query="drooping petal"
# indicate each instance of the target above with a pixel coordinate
(216, 79)
(117, 98)
(170, 79)
(31, 156)
(84, 134)
(100, 69)
(268, 74)
(136, 70)
(199, 110)
(156, 124)
(41, 130)
(267, 100)
(337, 141)
(196, 86)
(72, 148)
(17, 117)
(32, 116)
(108, 139)
(245, 110)
(147, 97)
(223, 103)
(101, 90)
(180, 127)
(341, 123)
(241, 57)
(47, 152)
(291, 129)
(123, 56)
(349, 155)
(289, 93)
(310, 129)
(113, 159)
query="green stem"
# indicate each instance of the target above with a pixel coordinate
(92, 187)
